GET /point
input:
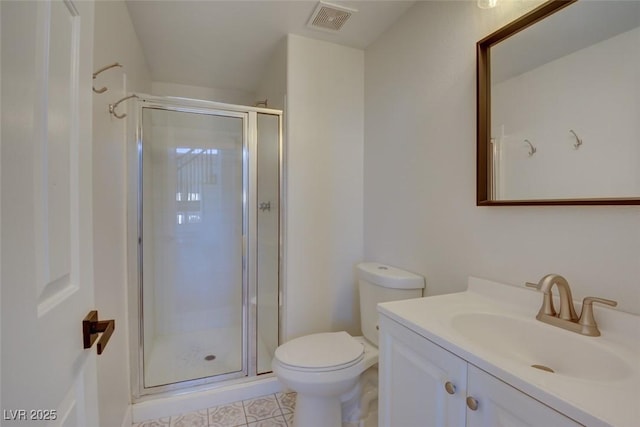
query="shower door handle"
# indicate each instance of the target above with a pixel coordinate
(265, 206)
(91, 327)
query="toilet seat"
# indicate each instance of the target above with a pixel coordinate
(321, 352)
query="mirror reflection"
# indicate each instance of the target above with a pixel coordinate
(565, 106)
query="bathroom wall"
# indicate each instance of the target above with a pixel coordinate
(273, 85)
(419, 168)
(605, 117)
(109, 197)
(324, 137)
(230, 96)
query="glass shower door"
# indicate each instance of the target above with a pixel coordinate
(193, 222)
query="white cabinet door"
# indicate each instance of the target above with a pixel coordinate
(48, 379)
(500, 405)
(413, 374)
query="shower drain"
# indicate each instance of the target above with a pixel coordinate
(209, 357)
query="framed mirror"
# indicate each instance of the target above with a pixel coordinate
(558, 107)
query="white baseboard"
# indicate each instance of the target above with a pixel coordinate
(127, 420)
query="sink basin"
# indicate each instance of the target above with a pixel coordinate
(531, 342)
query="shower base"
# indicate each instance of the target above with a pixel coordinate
(188, 356)
(181, 357)
(161, 406)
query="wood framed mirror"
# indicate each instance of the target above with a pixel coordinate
(558, 107)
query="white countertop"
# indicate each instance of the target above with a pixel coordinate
(592, 402)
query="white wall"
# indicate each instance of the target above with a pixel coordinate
(605, 116)
(109, 190)
(273, 85)
(230, 96)
(419, 188)
(325, 92)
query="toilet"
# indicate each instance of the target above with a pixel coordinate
(334, 370)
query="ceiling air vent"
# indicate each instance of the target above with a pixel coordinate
(329, 17)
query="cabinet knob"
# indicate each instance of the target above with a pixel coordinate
(472, 403)
(451, 389)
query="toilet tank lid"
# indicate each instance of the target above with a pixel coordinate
(388, 276)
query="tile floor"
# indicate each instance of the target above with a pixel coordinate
(273, 410)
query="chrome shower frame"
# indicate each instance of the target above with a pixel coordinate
(249, 241)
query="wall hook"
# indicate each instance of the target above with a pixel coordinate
(578, 142)
(104, 88)
(112, 107)
(532, 149)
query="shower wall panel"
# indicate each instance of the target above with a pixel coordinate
(268, 233)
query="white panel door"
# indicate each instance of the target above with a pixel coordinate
(500, 405)
(412, 382)
(47, 275)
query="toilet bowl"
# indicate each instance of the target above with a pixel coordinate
(321, 378)
(325, 369)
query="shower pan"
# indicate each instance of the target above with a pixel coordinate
(205, 242)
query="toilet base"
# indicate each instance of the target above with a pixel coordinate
(371, 420)
(360, 405)
(308, 408)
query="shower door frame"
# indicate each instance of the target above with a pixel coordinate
(249, 239)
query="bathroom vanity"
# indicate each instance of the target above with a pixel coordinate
(480, 358)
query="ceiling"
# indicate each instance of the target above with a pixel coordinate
(227, 44)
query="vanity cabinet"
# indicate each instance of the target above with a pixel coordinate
(423, 385)
(500, 405)
(412, 376)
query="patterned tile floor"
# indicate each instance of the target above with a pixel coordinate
(273, 410)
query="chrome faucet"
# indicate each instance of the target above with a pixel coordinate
(567, 318)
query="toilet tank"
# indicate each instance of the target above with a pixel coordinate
(382, 283)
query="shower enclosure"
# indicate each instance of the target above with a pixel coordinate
(204, 220)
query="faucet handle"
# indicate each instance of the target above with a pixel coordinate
(591, 300)
(532, 285)
(586, 317)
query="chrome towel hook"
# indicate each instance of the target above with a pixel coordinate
(578, 142)
(112, 107)
(104, 88)
(532, 149)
